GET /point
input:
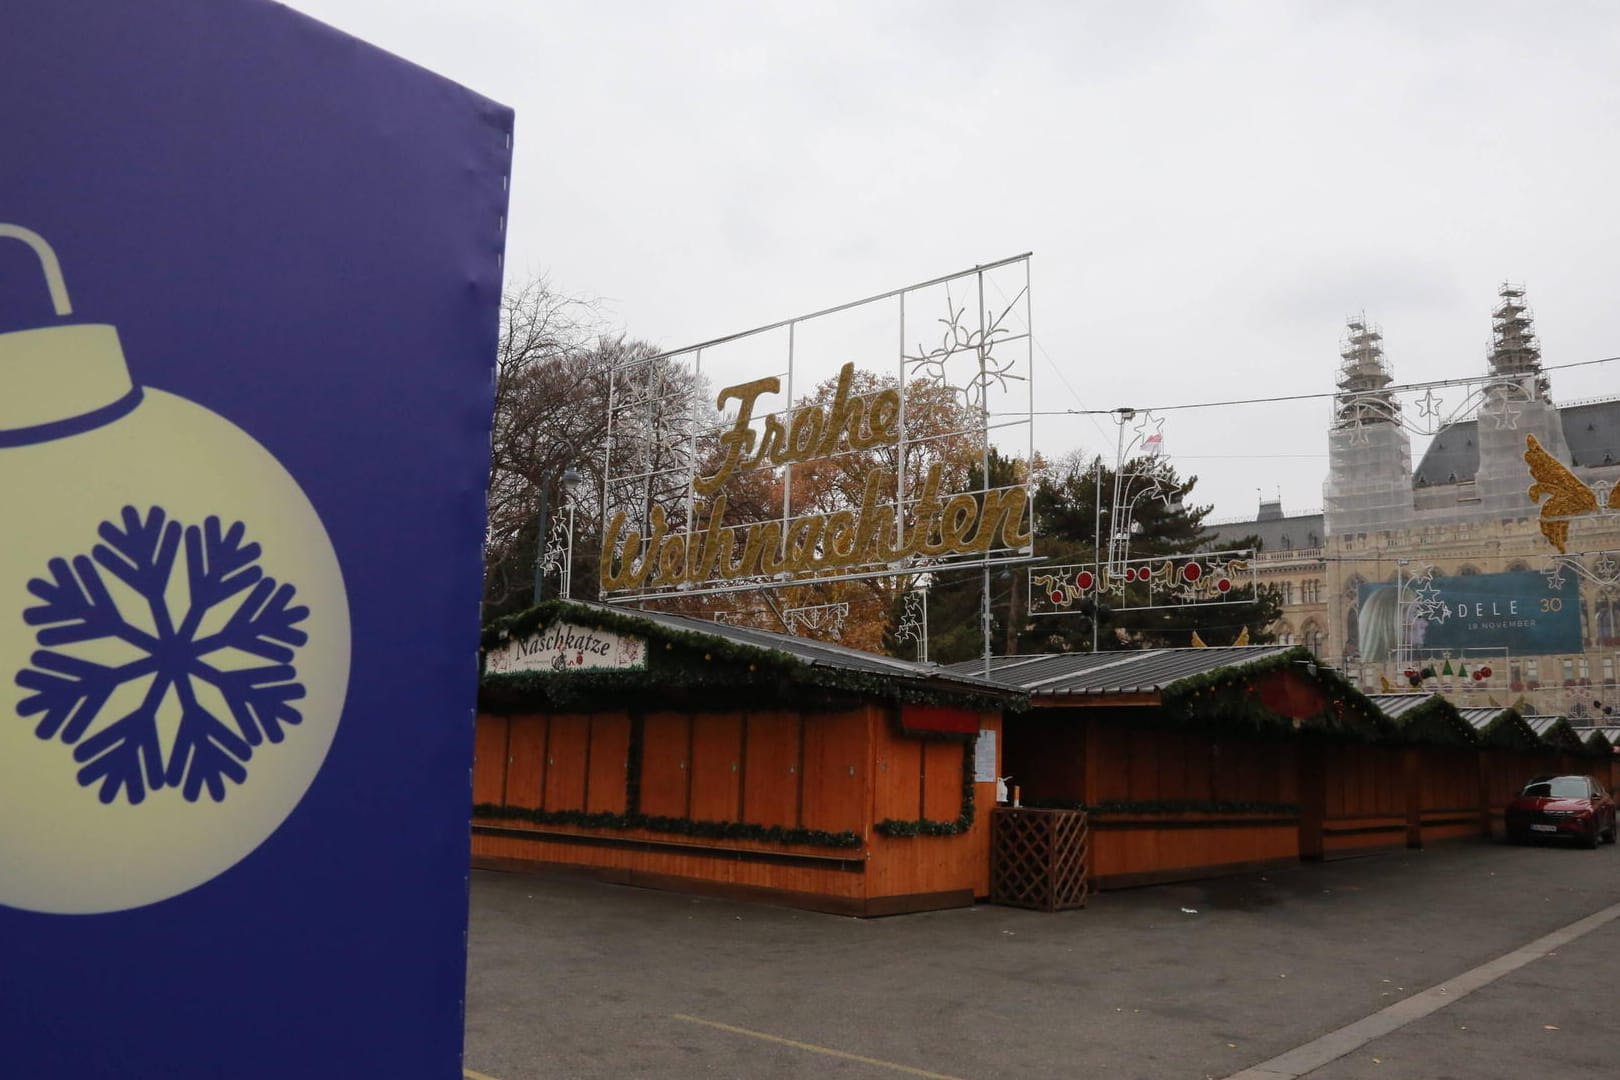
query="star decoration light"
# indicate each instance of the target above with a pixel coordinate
(1505, 413)
(1428, 404)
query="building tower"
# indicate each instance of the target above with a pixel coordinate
(1515, 404)
(1369, 483)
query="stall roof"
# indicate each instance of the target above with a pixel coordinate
(810, 651)
(1135, 671)
(1413, 711)
(1555, 731)
(818, 662)
(1498, 725)
(1395, 706)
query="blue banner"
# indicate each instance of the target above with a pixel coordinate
(1520, 611)
(249, 289)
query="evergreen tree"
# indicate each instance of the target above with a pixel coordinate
(1069, 530)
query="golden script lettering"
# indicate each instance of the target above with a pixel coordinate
(940, 526)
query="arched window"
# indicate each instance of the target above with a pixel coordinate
(1519, 565)
(1312, 637)
(1468, 570)
(1284, 631)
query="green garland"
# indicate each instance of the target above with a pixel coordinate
(712, 830)
(1508, 731)
(1224, 698)
(895, 828)
(724, 671)
(1164, 806)
(1436, 722)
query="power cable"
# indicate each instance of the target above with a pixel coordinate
(1433, 384)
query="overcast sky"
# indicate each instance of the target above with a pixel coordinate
(1208, 188)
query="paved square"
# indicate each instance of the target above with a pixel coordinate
(572, 978)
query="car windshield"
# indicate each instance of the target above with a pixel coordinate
(1560, 788)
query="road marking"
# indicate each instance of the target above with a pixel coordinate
(1313, 1055)
(470, 1075)
(823, 1050)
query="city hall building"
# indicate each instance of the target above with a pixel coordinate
(1449, 574)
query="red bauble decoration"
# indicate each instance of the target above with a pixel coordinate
(1223, 585)
(1057, 596)
(1485, 672)
(1191, 571)
(1085, 580)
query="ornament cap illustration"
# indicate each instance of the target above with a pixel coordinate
(59, 380)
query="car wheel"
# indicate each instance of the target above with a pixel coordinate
(1590, 840)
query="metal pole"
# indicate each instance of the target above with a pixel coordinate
(1096, 547)
(984, 460)
(900, 447)
(568, 555)
(787, 470)
(1400, 614)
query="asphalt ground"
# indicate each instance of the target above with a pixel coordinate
(570, 978)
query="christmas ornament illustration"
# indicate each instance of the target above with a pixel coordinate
(174, 629)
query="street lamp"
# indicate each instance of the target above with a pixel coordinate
(557, 541)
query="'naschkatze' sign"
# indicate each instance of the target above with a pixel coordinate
(565, 646)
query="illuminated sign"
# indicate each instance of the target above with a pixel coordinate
(1211, 577)
(874, 475)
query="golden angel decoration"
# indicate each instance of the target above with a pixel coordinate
(1569, 497)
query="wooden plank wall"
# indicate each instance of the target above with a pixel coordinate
(778, 767)
(1153, 765)
(1365, 798)
(1136, 764)
(923, 778)
(1046, 754)
(1449, 787)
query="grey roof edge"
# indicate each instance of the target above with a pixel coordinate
(809, 651)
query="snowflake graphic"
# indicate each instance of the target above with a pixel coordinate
(211, 646)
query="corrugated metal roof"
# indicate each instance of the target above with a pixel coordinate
(810, 651)
(1541, 724)
(1608, 735)
(1484, 717)
(1120, 672)
(1397, 705)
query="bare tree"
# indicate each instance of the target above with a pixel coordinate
(557, 372)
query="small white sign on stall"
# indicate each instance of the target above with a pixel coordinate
(984, 757)
(564, 646)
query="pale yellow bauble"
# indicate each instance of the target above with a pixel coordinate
(77, 834)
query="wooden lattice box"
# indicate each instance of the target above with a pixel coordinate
(1038, 858)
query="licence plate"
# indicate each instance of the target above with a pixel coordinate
(1543, 828)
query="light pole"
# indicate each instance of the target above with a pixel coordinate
(557, 543)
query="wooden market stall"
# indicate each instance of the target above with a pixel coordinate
(1563, 750)
(658, 750)
(1189, 762)
(1510, 753)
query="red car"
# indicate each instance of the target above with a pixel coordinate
(1574, 807)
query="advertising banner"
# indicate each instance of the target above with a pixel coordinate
(1518, 611)
(249, 285)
